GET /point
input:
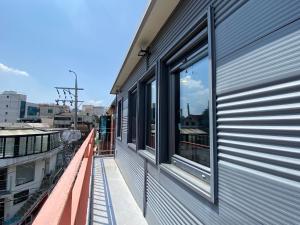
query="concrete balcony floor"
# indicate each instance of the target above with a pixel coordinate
(111, 202)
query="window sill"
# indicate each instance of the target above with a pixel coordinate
(132, 146)
(147, 155)
(195, 184)
(119, 138)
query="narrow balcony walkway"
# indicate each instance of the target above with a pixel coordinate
(112, 202)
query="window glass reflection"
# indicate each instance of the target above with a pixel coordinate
(133, 104)
(150, 113)
(193, 113)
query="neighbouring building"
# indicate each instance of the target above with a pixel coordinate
(29, 160)
(32, 110)
(93, 110)
(50, 110)
(207, 104)
(12, 106)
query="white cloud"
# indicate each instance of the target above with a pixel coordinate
(194, 93)
(93, 102)
(13, 71)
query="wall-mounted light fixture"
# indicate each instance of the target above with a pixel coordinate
(144, 51)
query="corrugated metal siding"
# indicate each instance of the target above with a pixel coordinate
(224, 8)
(131, 167)
(186, 13)
(166, 207)
(207, 213)
(259, 128)
(254, 20)
(271, 58)
(267, 199)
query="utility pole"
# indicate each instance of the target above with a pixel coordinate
(76, 99)
(71, 101)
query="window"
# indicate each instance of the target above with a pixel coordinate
(192, 107)
(189, 87)
(3, 179)
(6, 113)
(9, 147)
(6, 106)
(120, 115)
(132, 116)
(21, 196)
(25, 173)
(38, 144)
(22, 146)
(50, 111)
(2, 145)
(30, 145)
(45, 143)
(150, 112)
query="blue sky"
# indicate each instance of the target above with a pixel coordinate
(41, 40)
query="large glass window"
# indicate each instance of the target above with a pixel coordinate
(132, 116)
(150, 113)
(119, 125)
(22, 146)
(192, 111)
(25, 173)
(45, 143)
(30, 145)
(38, 144)
(2, 141)
(9, 147)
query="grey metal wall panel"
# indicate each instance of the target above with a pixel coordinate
(252, 21)
(131, 167)
(166, 207)
(259, 128)
(271, 58)
(207, 213)
(224, 8)
(267, 199)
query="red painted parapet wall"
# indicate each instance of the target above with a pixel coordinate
(67, 204)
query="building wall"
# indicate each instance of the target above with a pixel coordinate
(10, 106)
(11, 164)
(10, 208)
(257, 76)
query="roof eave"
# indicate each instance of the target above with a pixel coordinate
(153, 20)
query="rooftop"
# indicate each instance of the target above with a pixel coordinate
(20, 132)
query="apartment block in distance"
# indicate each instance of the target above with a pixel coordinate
(12, 106)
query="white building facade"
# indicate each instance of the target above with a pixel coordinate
(12, 106)
(28, 159)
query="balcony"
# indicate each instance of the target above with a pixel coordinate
(91, 191)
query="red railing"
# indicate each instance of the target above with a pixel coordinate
(68, 202)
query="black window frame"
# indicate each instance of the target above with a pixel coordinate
(185, 45)
(132, 91)
(119, 119)
(149, 76)
(21, 196)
